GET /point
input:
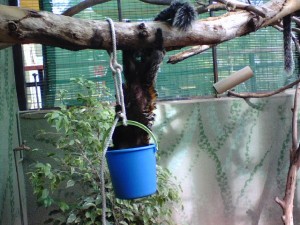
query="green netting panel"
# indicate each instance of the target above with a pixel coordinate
(262, 51)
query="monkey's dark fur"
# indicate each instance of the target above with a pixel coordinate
(140, 71)
(179, 14)
(287, 45)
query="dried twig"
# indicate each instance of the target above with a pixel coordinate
(212, 7)
(296, 20)
(265, 94)
(297, 30)
(157, 2)
(188, 53)
(232, 5)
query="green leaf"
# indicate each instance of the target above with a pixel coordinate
(64, 206)
(89, 199)
(88, 214)
(87, 205)
(45, 193)
(72, 170)
(70, 183)
(47, 170)
(48, 202)
(71, 218)
(72, 142)
(50, 154)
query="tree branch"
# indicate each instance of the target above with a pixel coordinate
(240, 5)
(294, 121)
(287, 204)
(212, 7)
(21, 26)
(263, 95)
(157, 2)
(188, 53)
(296, 20)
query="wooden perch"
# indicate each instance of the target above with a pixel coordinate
(188, 53)
(22, 26)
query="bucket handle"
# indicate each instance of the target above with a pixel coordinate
(137, 124)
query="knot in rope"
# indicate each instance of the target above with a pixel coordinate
(115, 66)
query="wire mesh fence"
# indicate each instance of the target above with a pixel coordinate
(194, 77)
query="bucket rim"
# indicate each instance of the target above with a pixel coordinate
(116, 151)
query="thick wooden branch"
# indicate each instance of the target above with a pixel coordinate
(21, 26)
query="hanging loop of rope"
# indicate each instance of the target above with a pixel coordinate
(120, 114)
(117, 73)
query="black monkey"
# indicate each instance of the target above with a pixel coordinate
(140, 71)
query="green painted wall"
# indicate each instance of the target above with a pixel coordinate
(31, 125)
(229, 155)
(10, 204)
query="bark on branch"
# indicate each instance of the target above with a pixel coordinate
(21, 26)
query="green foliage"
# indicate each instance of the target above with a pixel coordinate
(69, 181)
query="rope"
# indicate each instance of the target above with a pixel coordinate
(103, 167)
(116, 70)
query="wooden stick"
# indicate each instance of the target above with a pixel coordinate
(265, 94)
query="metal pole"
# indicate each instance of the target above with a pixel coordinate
(36, 90)
(120, 16)
(214, 56)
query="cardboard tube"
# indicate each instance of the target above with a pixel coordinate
(233, 80)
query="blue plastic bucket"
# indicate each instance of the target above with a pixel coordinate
(133, 171)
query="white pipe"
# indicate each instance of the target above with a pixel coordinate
(233, 80)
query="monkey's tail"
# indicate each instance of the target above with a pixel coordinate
(287, 44)
(178, 14)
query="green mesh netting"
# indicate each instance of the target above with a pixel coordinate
(262, 51)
